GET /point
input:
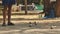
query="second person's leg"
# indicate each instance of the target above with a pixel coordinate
(9, 15)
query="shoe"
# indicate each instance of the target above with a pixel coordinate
(3, 24)
(10, 24)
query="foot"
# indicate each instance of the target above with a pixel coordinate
(10, 24)
(3, 24)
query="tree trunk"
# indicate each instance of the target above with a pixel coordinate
(57, 8)
(25, 6)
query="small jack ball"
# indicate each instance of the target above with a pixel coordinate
(35, 23)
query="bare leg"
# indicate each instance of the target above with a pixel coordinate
(4, 15)
(9, 15)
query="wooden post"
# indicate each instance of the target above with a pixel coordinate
(57, 8)
(25, 6)
(17, 5)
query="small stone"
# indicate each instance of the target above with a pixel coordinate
(51, 27)
(30, 24)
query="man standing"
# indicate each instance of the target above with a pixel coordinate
(7, 4)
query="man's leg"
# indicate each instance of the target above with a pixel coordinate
(4, 15)
(9, 15)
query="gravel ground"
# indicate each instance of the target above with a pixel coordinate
(23, 28)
